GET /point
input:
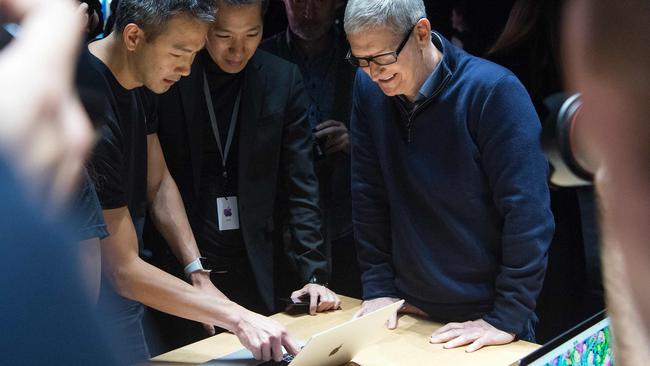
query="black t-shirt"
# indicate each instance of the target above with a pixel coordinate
(118, 165)
(224, 88)
(86, 212)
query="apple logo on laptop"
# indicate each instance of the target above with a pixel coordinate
(335, 350)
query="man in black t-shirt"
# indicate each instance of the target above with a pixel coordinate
(153, 46)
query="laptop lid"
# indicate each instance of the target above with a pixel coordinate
(331, 347)
(589, 343)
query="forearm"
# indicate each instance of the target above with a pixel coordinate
(155, 288)
(135, 279)
(169, 217)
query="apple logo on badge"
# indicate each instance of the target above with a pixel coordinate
(335, 350)
(227, 212)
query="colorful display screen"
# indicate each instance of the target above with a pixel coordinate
(589, 348)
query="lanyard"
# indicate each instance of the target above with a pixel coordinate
(215, 127)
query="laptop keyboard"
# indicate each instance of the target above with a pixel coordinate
(286, 359)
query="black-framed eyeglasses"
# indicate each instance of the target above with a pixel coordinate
(382, 58)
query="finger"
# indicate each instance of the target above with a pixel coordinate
(448, 326)
(209, 329)
(461, 340)
(256, 350)
(290, 345)
(330, 131)
(476, 345)
(325, 305)
(276, 349)
(447, 336)
(313, 301)
(334, 298)
(392, 321)
(329, 296)
(266, 351)
(328, 123)
(337, 304)
(296, 295)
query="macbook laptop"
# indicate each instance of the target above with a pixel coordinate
(588, 343)
(333, 347)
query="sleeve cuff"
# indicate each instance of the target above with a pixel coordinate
(508, 320)
(376, 289)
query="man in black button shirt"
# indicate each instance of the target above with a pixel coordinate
(153, 45)
(235, 132)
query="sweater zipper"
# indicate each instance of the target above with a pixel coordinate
(411, 116)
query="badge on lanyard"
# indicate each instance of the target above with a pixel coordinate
(227, 213)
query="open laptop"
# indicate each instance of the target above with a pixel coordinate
(588, 341)
(333, 347)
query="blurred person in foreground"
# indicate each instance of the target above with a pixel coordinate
(612, 140)
(44, 139)
(530, 47)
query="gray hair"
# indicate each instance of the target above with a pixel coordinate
(265, 3)
(152, 15)
(397, 15)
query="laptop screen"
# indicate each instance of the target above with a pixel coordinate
(589, 343)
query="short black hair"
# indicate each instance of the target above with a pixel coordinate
(152, 15)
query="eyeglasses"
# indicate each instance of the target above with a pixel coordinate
(382, 58)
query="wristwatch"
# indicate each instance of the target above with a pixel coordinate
(195, 266)
(316, 281)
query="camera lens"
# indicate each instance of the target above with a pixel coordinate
(562, 115)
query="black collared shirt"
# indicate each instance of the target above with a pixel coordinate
(224, 88)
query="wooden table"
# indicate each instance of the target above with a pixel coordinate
(407, 345)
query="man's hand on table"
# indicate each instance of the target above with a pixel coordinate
(202, 281)
(320, 298)
(263, 336)
(477, 334)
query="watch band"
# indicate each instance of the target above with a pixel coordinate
(194, 266)
(313, 279)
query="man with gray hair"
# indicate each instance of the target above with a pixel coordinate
(152, 47)
(450, 201)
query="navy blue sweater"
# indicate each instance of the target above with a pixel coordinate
(450, 203)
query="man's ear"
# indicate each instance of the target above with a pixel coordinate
(423, 32)
(132, 36)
